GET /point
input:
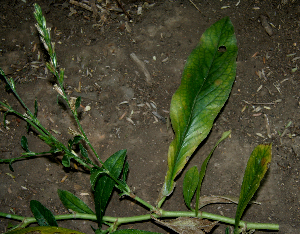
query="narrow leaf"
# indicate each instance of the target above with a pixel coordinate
(77, 139)
(105, 184)
(206, 84)
(35, 108)
(10, 166)
(77, 103)
(204, 166)
(61, 76)
(257, 166)
(190, 183)
(24, 144)
(84, 153)
(70, 144)
(133, 231)
(66, 160)
(43, 216)
(12, 84)
(74, 203)
(125, 171)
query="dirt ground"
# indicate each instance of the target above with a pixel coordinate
(96, 56)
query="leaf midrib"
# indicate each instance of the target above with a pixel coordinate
(192, 109)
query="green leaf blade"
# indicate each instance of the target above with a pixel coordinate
(206, 84)
(43, 216)
(104, 185)
(257, 166)
(70, 201)
(24, 144)
(204, 166)
(95, 174)
(190, 183)
(77, 103)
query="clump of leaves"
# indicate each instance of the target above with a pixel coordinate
(206, 84)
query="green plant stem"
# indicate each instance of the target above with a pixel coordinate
(146, 204)
(164, 214)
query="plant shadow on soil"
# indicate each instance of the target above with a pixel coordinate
(99, 69)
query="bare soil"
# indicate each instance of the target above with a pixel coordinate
(98, 67)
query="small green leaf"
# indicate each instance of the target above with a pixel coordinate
(77, 103)
(84, 153)
(12, 84)
(66, 160)
(24, 144)
(105, 184)
(35, 108)
(43, 216)
(206, 83)
(125, 171)
(190, 183)
(204, 166)
(133, 231)
(77, 139)
(74, 203)
(257, 166)
(10, 166)
(61, 76)
(227, 231)
(70, 144)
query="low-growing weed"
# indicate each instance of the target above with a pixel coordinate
(206, 84)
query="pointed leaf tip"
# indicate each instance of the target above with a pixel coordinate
(257, 166)
(43, 215)
(190, 183)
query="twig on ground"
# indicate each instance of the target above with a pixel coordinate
(142, 66)
(80, 4)
(123, 9)
(195, 5)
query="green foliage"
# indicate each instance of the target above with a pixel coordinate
(105, 184)
(206, 83)
(43, 216)
(257, 166)
(74, 203)
(24, 144)
(190, 184)
(193, 179)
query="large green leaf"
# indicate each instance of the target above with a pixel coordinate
(133, 231)
(190, 183)
(74, 203)
(257, 166)
(43, 216)
(206, 84)
(105, 184)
